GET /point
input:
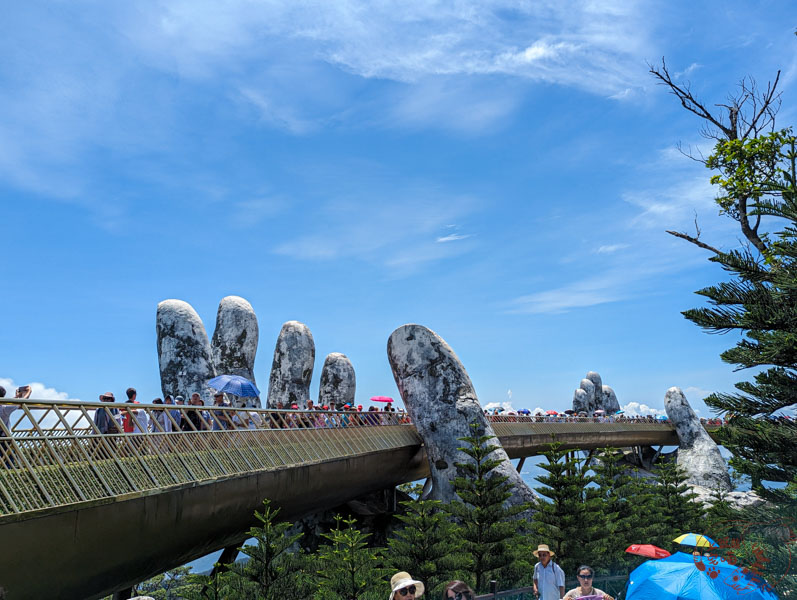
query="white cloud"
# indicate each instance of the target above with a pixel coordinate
(611, 248)
(636, 409)
(453, 237)
(693, 392)
(39, 391)
(589, 45)
(673, 205)
(583, 293)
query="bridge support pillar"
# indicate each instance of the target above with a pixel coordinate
(229, 554)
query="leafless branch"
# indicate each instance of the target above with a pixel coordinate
(693, 240)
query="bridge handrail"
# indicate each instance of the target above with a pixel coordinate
(53, 418)
(53, 453)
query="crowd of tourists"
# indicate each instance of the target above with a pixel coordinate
(219, 416)
(549, 583)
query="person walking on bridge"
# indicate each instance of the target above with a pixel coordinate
(105, 418)
(549, 579)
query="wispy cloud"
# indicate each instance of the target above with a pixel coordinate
(399, 232)
(452, 238)
(611, 248)
(581, 294)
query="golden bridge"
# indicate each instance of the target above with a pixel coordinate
(85, 513)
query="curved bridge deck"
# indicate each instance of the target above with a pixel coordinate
(104, 511)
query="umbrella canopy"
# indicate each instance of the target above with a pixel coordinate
(680, 577)
(648, 550)
(696, 539)
(381, 399)
(235, 385)
(570, 411)
(524, 411)
(599, 411)
(620, 412)
(551, 412)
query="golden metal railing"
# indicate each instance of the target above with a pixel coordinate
(59, 453)
(56, 453)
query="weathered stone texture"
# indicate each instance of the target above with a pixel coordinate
(698, 454)
(592, 395)
(183, 351)
(292, 368)
(338, 382)
(442, 403)
(234, 343)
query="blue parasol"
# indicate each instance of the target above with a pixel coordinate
(235, 385)
(684, 577)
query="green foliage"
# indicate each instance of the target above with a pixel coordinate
(171, 585)
(622, 515)
(347, 568)
(570, 520)
(415, 490)
(488, 529)
(679, 510)
(427, 546)
(748, 169)
(272, 571)
(760, 302)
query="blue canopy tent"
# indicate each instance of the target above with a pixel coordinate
(684, 577)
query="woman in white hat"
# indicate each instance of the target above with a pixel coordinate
(549, 579)
(404, 587)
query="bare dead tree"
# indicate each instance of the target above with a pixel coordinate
(749, 113)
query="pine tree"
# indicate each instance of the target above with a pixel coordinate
(619, 519)
(650, 526)
(487, 527)
(347, 568)
(680, 512)
(569, 521)
(273, 571)
(760, 301)
(427, 546)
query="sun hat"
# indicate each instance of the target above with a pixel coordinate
(543, 548)
(107, 395)
(403, 579)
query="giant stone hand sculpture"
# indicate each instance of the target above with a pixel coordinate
(183, 351)
(292, 368)
(698, 454)
(442, 403)
(592, 395)
(338, 382)
(234, 343)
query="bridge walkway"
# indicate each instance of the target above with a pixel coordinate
(106, 510)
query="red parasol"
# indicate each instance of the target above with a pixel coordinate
(551, 412)
(648, 550)
(381, 399)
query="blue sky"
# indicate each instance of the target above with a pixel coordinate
(501, 172)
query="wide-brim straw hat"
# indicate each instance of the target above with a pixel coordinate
(543, 548)
(403, 579)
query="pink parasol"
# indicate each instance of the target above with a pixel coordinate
(381, 399)
(551, 412)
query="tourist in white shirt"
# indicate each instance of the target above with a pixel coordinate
(549, 579)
